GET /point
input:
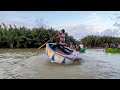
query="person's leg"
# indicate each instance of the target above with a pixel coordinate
(69, 57)
(57, 45)
(61, 47)
(65, 50)
(68, 51)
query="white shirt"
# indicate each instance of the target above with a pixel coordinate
(81, 45)
(75, 54)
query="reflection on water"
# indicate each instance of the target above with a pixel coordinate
(35, 64)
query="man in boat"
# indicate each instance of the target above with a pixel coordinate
(62, 43)
(75, 56)
(61, 36)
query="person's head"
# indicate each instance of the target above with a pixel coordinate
(62, 31)
(77, 48)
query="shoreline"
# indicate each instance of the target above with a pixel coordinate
(44, 48)
(96, 48)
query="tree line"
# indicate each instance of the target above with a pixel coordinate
(99, 41)
(22, 37)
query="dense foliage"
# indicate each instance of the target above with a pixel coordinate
(23, 37)
(99, 41)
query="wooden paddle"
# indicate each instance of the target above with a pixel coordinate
(47, 41)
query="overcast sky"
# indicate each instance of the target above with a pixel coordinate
(76, 23)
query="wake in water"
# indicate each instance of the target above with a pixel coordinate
(95, 64)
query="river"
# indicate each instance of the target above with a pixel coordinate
(35, 64)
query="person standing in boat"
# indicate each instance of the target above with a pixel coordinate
(62, 43)
(61, 36)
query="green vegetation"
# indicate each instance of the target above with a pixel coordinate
(112, 50)
(23, 37)
(99, 41)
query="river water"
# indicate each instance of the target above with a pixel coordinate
(35, 64)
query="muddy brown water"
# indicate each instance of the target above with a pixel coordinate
(35, 64)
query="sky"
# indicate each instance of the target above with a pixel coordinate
(76, 23)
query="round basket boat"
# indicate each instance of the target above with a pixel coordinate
(58, 56)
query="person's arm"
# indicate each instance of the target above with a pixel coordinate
(60, 36)
(57, 34)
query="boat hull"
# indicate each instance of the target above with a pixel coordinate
(112, 50)
(57, 57)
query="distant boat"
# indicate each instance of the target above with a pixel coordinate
(58, 56)
(112, 50)
(82, 49)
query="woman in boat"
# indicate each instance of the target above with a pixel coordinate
(61, 36)
(75, 55)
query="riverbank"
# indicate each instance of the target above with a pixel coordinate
(44, 48)
(95, 48)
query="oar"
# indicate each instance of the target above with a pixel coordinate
(47, 41)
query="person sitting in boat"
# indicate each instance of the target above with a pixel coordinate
(75, 55)
(67, 44)
(72, 46)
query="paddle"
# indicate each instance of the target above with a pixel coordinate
(47, 41)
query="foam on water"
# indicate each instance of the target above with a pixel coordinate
(34, 64)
